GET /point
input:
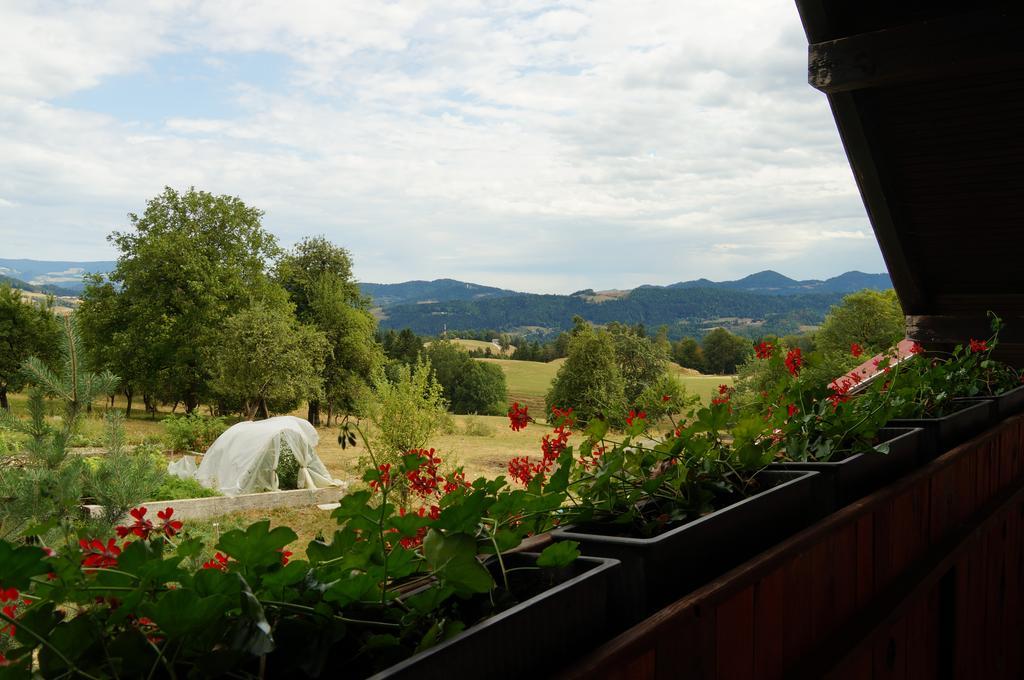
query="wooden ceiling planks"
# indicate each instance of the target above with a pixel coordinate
(929, 101)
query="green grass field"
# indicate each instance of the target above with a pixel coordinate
(528, 381)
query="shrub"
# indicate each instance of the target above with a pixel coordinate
(174, 488)
(193, 432)
(121, 479)
(477, 428)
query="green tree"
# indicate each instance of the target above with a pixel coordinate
(688, 354)
(640, 361)
(318, 277)
(265, 357)
(723, 351)
(873, 319)
(589, 381)
(406, 411)
(404, 346)
(49, 488)
(189, 262)
(26, 329)
(470, 386)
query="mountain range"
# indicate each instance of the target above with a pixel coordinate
(765, 302)
(48, 276)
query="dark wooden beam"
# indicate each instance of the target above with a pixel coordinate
(946, 47)
(867, 163)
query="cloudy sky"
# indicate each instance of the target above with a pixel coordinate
(543, 146)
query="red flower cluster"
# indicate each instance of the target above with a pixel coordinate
(633, 415)
(143, 527)
(518, 417)
(384, 480)
(519, 469)
(792, 410)
(427, 481)
(665, 398)
(11, 599)
(285, 555)
(219, 561)
(98, 555)
(522, 470)
(839, 392)
(856, 350)
(979, 345)
(411, 542)
(916, 349)
(764, 350)
(794, 361)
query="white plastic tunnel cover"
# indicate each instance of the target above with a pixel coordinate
(244, 459)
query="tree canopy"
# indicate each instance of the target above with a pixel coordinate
(723, 351)
(27, 329)
(589, 381)
(470, 386)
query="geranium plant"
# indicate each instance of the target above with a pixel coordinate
(152, 602)
(643, 482)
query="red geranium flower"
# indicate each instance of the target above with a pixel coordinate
(219, 562)
(665, 397)
(979, 345)
(794, 360)
(141, 528)
(792, 410)
(518, 417)
(856, 350)
(633, 415)
(916, 348)
(98, 555)
(763, 350)
(170, 526)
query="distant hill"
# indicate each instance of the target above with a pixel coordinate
(64, 275)
(46, 288)
(687, 311)
(440, 290)
(773, 283)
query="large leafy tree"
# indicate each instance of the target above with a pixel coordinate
(871, 318)
(189, 261)
(318, 277)
(641, 362)
(470, 386)
(264, 356)
(589, 381)
(723, 351)
(27, 329)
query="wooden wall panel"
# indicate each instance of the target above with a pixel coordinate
(941, 550)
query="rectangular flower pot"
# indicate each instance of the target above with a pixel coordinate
(847, 479)
(658, 570)
(1007, 404)
(941, 434)
(529, 639)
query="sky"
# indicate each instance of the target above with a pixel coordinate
(540, 146)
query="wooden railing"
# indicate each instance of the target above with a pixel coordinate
(923, 579)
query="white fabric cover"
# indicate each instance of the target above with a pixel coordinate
(244, 458)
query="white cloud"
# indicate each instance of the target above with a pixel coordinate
(533, 145)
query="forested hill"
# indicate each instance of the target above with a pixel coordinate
(774, 283)
(441, 290)
(687, 311)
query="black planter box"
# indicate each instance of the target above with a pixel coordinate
(1007, 404)
(844, 481)
(661, 569)
(537, 634)
(941, 434)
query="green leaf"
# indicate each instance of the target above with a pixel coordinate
(453, 559)
(72, 639)
(258, 545)
(464, 516)
(180, 612)
(19, 565)
(560, 554)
